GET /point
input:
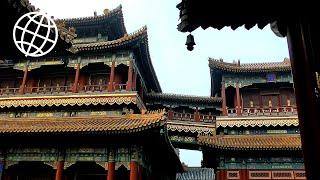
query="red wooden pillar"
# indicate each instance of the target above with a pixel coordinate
(134, 81)
(139, 172)
(217, 175)
(111, 171)
(76, 79)
(222, 175)
(133, 170)
(197, 115)
(279, 100)
(110, 85)
(6, 177)
(224, 100)
(60, 165)
(238, 99)
(244, 174)
(129, 83)
(170, 114)
(24, 80)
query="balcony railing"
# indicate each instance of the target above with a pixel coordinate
(183, 116)
(207, 118)
(268, 111)
(94, 88)
(48, 89)
(119, 87)
(61, 89)
(192, 117)
(8, 91)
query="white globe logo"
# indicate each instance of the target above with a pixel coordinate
(33, 32)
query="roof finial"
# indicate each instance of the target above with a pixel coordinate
(238, 62)
(95, 13)
(106, 11)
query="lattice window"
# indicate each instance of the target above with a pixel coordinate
(259, 175)
(300, 175)
(282, 175)
(233, 174)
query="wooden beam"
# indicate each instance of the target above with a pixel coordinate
(224, 100)
(76, 79)
(238, 108)
(24, 80)
(130, 74)
(60, 165)
(302, 38)
(133, 170)
(111, 80)
(111, 171)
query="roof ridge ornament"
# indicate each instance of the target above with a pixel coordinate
(106, 11)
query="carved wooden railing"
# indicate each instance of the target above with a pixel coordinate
(62, 89)
(94, 88)
(183, 116)
(192, 117)
(119, 87)
(267, 111)
(48, 89)
(207, 118)
(8, 91)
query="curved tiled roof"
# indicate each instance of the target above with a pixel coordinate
(182, 97)
(252, 142)
(196, 173)
(250, 67)
(105, 124)
(140, 34)
(84, 20)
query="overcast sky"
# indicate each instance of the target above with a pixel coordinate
(179, 70)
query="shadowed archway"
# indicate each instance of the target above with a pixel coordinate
(31, 171)
(84, 171)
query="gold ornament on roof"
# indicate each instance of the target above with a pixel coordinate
(106, 11)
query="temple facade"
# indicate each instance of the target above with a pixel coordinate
(79, 112)
(257, 135)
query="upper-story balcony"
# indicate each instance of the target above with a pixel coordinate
(58, 79)
(266, 111)
(79, 84)
(191, 117)
(58, 89)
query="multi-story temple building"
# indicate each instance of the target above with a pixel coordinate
(257, 136)
(79, 113)
(94, 109)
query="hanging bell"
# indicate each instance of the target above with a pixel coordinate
(190, 42)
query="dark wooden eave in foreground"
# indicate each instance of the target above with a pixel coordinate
(220, 14)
